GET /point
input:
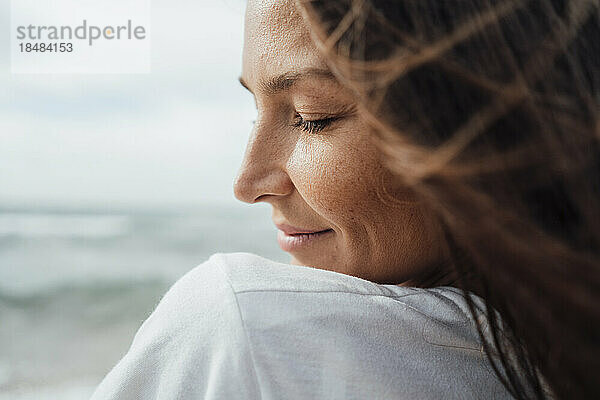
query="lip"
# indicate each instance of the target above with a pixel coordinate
(291, 238)
(292, 230)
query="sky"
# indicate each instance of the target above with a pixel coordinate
(171, 138)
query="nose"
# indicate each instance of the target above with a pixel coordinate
(262, 175)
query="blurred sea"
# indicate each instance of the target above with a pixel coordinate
(75, 285)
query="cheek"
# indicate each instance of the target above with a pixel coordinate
(336, 176)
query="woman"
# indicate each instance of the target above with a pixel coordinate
(408, 149)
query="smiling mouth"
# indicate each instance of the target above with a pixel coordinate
(308, 233)
(295, 241)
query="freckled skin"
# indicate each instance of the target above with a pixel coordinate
(331, 179)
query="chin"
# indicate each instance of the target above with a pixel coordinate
(294, 261)
(319, 264)
(307, 262)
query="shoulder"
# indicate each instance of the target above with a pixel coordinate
(250, 273)
(240, 323)
(276, 301)
(256, 282)
(306, 324)
(230, 294)
(228, 285)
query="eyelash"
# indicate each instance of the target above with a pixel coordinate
(313, 126)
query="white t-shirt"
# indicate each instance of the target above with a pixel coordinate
(240, 326)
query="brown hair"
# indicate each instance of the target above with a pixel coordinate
(489, 111)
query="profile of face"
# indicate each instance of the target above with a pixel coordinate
(311, 157)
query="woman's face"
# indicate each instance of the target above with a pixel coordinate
(310, 156)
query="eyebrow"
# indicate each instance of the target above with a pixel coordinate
(287, 80)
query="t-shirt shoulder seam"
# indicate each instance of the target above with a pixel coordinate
(413, 292)
(242, 291)
(239, 312)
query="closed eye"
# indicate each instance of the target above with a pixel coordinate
(313, 126)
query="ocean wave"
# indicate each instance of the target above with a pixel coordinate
(64, 225)
(78, 294)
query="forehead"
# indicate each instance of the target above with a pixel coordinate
(276, 41)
